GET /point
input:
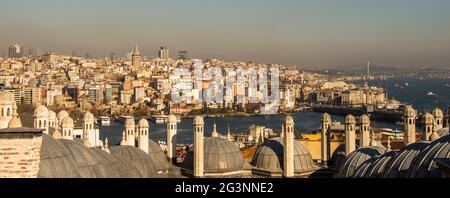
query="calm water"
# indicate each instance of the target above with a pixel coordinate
(415, 93)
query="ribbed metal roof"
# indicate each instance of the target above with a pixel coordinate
(374, 167)
(158, 156)
(358, 157)
(338, 157)
(220, 156)
(269, 157)
(399, 165)
(140, 159)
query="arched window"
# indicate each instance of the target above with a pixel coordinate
(45, 123)
(8, 112)
(2, 112)
(40, 123)
(438, 122)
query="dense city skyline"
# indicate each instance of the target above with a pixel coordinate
(307, 33)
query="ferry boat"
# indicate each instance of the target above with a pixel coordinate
(104, 121)
(430, 93)
(159, 119)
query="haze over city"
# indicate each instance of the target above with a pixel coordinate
(306, 33)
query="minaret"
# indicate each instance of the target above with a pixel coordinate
(136, 59)
(129, 131)
(172, 138)
(214, 133)
(364, 130)
(409, 120)
(447, 117)
(325, 138)
(143, 139)
(428, 122)
(350, 124)
(438, 119)
(198, 146)
(282, 131)
(288, 147)
(51, 119)
(388, 145)
(41, 118)
(123, 142)
(88, 130)
(229, 137)
(67, 128)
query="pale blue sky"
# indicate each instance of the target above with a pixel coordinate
(313, 32)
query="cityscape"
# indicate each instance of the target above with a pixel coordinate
(157, 111)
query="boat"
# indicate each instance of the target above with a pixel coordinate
(406, 84)
(430, 93)
(104, 121)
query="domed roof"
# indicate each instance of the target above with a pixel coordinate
(374, 167)
(67, 122)
(140, 159)
(57, 134)
(220, 156)
(289, 120)
(358, 157)
(350, 119)
(364, 119)
(443, 132)
(129, 122)
(326, 117)
(51, 115)
(143, 123)
(6, 97)
(41, 112)
(158, 156)
(198, 121)
(428, 119)
(398, 166)
(62, 114)
(15, 122)
(56, 160)
(338, 157)
(88, 117)
(437, 113)
(269, 157)
(410, 112)
(172, 119)
(423, 165)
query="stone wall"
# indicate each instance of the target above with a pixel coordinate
(20, 154)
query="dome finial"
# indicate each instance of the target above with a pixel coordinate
(123, 142)
(372, 140)
(214, 132)
(388, 144)
(434, 136)
(106, 146)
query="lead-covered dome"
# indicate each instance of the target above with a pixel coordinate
(374, 167)
(410, 112)
(220, 156)
(326, 118)
(428, 119)
(143, 123)
(398, 166)
(437, 113)
(6, 98)
(67, 122)
(41, 112)
(358, 157)
(140, 159)
(269, 157)
(62, 114)
(350, 119)
(172, 119)
(88, 117)
(129, 123)
(198, 121)
(364, 119)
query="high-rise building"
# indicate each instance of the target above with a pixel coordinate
(16, 51)
(183, 55)
(27, 95)
(163, 53)
(136, 58)
(139, 93)
(108, 94)
(113, 57)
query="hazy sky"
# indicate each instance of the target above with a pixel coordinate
(313, 32)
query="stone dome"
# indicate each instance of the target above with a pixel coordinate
(410, 112)
(220, 156)
(140, 159)
(289, 120)
(56, 160)
(172, 119)
(67, 122)
(326, 117)
(364, 119)
(41, 112)
(423, 165)
(6, 98)
(198, 121)
(269, 157)
(358, 157)
(129, 122)
(51, 115)
(62, 114)
(338, 157)
(428, 119)
(88, 117)
(143, 123)
(350, 119)
(437, 113)
(15, 122)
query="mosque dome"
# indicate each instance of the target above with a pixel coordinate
(326, 117)
(423, 165)
(350, 119)
(172, 119)
(140, 159)
(143, 123)
(410, 112)
(358, 157)
(57, 134)
(6, 98)
(364, 119)
(51, 115)
(62, 114)
(88, 117)
(437, 113)
(41, 112)
(158, 156)
(289, 120)
(56, 160)
(15, 122)
(269, 157)
(220, 156)
(67, 122)
(374, 167)
(443, 132)
(130, 123)
(198, 121)
(338, 157)
(398, 166)
(428, 119)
